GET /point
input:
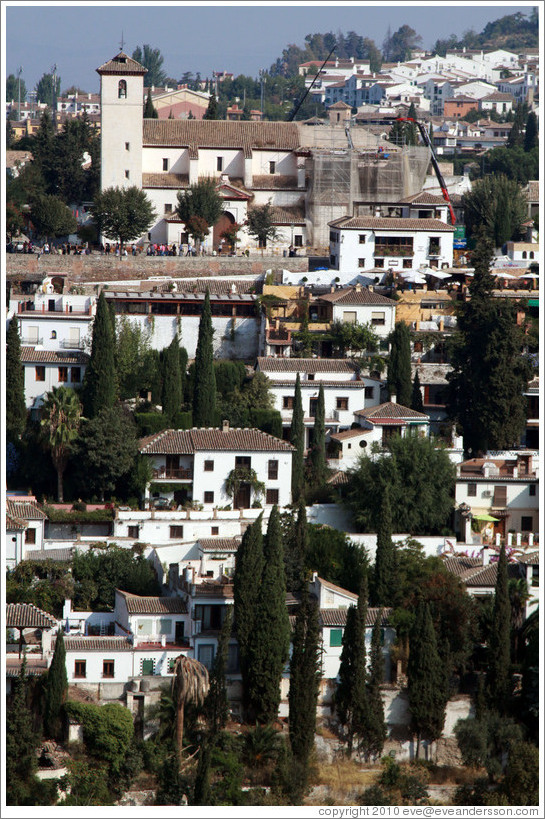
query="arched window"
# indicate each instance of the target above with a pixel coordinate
(524, 254)
(531, 256)
(53, 334)
(122, 89)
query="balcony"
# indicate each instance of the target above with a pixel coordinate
(67, 344)
(34, 342)
(164, 474)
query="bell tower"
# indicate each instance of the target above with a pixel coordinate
(121, 103)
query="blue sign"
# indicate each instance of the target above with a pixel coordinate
(458, 244)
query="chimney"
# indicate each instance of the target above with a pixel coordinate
(393, 398)
(357, 288)
(225, 426)
(486, 555)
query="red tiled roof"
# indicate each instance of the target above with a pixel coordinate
(121, 64)
(390, 223)
(530, 559)
(219, 544)
(354, 296)
(58, 555)
(245, 136)
(274, 181)
(213, 439)
(337, 617)
(305, 365)
(13, 523)
(423, 198)
(165, 180)
(30, 355)
(153, 605)
(390, 410)
(349, 433)
(26, 615)
(339, 478)
(315, 385)
(79, 643)
(24, 509)
(35, 666)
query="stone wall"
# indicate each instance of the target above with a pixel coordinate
(95, 267)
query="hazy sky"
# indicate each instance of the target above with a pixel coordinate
(242, 37)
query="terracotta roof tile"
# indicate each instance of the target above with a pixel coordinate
(214, 589)
(154, 605)
(354, 296)
(424, 198)
(274, 181)
(165, 180)
(80, 643)
(59, 555)
(30, 355)
(339, 478)
(305, 365)
(315, 385)
(24, 509)
(245, 136)
(287, 215)
(13, 523)
(391, 223)
(337, 617)
(189, 441)
(530, 559)
(350, 433)
(34, 666)
(219, 544)
(122, 64)
(390, 410)
(26, 615)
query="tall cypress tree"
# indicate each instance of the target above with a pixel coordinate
(317, 455)
(204, 388)
(499, 648)
(295, 553)
(417, 403)
(426, 679)
(172, 381)
(21, 742)
(297, 439)
(351, 695)
(201, 789)
(99, 383)
(246, 589)
(304, 682)
(374, 737)
(399, 364)
(530, 135)
(55, 690)
(269, 645)
(216, 703)
(149, 108)
(384, 575)
(14, 383)
(212, 110)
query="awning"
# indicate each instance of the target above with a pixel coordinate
(486, 517)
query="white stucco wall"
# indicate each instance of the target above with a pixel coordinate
(121, 123)
(348, 251)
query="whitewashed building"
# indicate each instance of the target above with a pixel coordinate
(25, 527)
(45, 369)
(356, 305)
(53, 321)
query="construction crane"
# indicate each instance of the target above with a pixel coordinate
(303, 98)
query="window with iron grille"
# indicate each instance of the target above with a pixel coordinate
(209, 497)
(273, 470)
(176, 532)
(272, 496)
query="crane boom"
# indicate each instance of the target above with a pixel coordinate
(303, 98)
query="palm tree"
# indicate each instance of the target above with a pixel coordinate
(60, 423)
(189, 684)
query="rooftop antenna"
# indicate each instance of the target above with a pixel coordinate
(122, 43)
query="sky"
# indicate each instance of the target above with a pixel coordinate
(241, 38)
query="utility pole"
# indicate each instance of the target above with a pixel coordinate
(20, 71)
(54, 94)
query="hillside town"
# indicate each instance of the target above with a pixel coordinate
(272, 431)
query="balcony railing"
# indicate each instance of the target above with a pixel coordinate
(35, 342)
(173, 474)
(67, 344)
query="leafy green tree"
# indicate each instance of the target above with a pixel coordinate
(55, 690)
(372, 741)
(249, 562)
(172, 381)
(13, 87)
(21, 742)
(489, 373)
(317, 453)
(216, 705)
(352, 338)
(399, 45)
(60, 424)
(496, 204)
(260, 224)
(426, 680)
(521, 783)
(230, 376)
(123, 214)
(98, 572)
(200, 206)
(150, 112)
(335, 557)
(420, 478)
(269, 643)
(297, 439)
(135, 362)
(204, 388)
(417, 403)
(485, 742)
(107, 450)
(51, 217)
(48, 89)
(531, 132)
(108, 731)
(99, 387)
(14, 383)
(14, 220)
(86, 784)
(304, 683)
(152, 60)
(351, 702)
(212, 110)
(399, 364)
(499, 649)
(384, 574)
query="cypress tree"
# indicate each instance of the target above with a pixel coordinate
(351, 694)
(204, 388)
(99, 383)
(55, 690)
(212, 110)
(384, 576)
(21, 742)
(269, 645)
(297, 439)
(499, 648)
(417, 403)
(246, 590)
(295, 553)
(426, 679)
(14, 383)
(304, 682)
(399, 364)
(149, 108)
(216, 704)
(375, 735)
(172, 381)
(201, 789)
(530, 136)
(317, 455)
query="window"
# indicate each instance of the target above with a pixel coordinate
(349, 317)
(80, 669)
(215, 530)
(435, 246)
(127, 175)
(165, 164)
(122, 89)
(219, 163)
(165, 626)
(133, 531)
(30, 536)
(209, 466)
(272, 167)
(310, 376)
(342, 403)
(335, 637)
(472, 490)
(378, 319)
(333, 260)
(298, 240)
(333, 236)
(127, 146)
(171, 665)
(379, 262)
(209, 497)
(272, 496)
(40, 373)
(206, 655)
(535, 576)
(362, 238)
(75, 375)
(361, 262)
(53, 334)
(369, 392)
(526, 523)
(273, 470)
(408, 264)
(500, 496)
(232, 659)
(144, 627)
(176, 532)
(108, 668)
(168, 208)
(532, 489)
(63, 374)
(287, 402)
(393, 246)
(147, 667)
(243, 461)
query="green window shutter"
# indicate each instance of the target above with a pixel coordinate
(336, 637)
